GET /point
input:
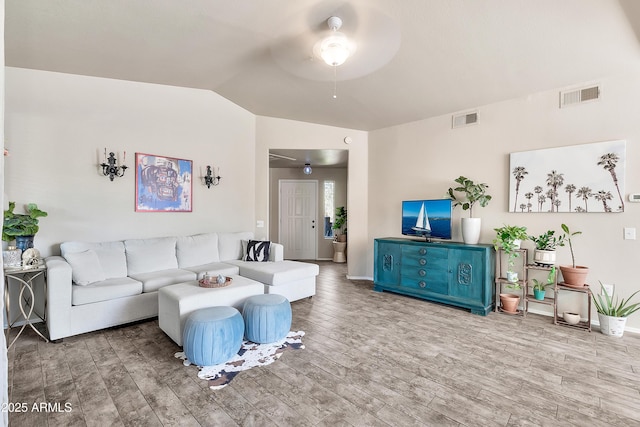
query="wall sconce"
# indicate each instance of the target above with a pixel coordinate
(110, 168)
(210, 179)
(307, 169)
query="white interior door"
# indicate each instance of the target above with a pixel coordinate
(298, 211)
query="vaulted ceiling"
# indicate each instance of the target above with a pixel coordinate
(415, 58)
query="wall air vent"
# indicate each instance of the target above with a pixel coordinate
(579, 96)
(465, 119)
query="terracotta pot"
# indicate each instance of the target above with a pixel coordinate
(574, 276)
(509, 302)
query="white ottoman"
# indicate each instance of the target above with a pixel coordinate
(176, 302)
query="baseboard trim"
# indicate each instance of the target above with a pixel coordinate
(594, 321)
(359, 278)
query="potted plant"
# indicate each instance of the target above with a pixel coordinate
(471, 193)
(340, 240)
(540, 288)
(509, 238)
(21, 227)
(574, 275)
(340, 224)
(546, 244)
(612, 314)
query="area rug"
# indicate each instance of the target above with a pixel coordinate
(249, 356)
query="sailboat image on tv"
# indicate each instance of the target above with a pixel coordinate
(422, 224)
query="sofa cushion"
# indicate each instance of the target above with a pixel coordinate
(154, 280)
(150, 255)
(111, 255)
(197, 249)
(256, 250)
(109, 289)
(230, 245)
(214, 269)
(276, 273)
(85, 267)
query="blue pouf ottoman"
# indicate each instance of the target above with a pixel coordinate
(267, 318)
(212, 335)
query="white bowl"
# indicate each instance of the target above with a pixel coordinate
(571, 318)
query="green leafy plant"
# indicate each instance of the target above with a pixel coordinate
(615, 308)
(340, 223)
(21, 224)
(548, 241)
(473, 193)
(506, 237)
(541, 286)
(569, 234)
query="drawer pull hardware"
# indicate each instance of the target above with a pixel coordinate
(422, 283)
(422, 251)
(423, 261)
(422, 273)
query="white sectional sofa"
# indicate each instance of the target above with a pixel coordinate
(95, 285)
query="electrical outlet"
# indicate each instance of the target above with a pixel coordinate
(259, 224)
(608, 288)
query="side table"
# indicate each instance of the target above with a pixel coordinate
(26, 298)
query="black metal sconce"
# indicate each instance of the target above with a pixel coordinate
(110, 168)
(210, 179)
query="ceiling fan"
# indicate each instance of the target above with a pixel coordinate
(373, 39)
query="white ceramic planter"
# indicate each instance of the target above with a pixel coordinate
(571, 318)
(544, 257)
(612, 326)
(471, 230)
(512, 276)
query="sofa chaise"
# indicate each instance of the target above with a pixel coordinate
(95, 285)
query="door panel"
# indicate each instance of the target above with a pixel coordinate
(298, 210)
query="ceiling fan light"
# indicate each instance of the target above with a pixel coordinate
(334, 49)
(307, 169)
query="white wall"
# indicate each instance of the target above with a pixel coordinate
(288, 134)
(57, 126)
(423, 158)
(338, 175)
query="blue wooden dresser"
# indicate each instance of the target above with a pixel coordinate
(451, 273)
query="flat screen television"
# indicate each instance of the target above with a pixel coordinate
(427, 218)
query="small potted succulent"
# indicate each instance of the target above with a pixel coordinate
(573, 275)
(546, 244)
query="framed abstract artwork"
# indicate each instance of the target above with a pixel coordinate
(578, 178)
(163, 184)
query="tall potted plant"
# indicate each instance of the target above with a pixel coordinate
(546, 244)
(612, 314)
(573, 275)
(470, 193)
(340, 240)
(21, 227)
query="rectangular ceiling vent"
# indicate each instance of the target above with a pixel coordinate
(465, 119)
(579, 96)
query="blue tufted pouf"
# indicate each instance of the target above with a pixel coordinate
(212, 335)
(267, 318)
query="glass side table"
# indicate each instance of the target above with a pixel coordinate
(24, 277)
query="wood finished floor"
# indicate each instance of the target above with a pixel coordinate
(371, 359)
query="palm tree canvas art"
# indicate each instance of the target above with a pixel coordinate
(578, 178)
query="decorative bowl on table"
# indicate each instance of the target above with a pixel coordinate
(571, 318)
(212, 282)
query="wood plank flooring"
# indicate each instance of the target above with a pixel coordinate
(371, 359)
